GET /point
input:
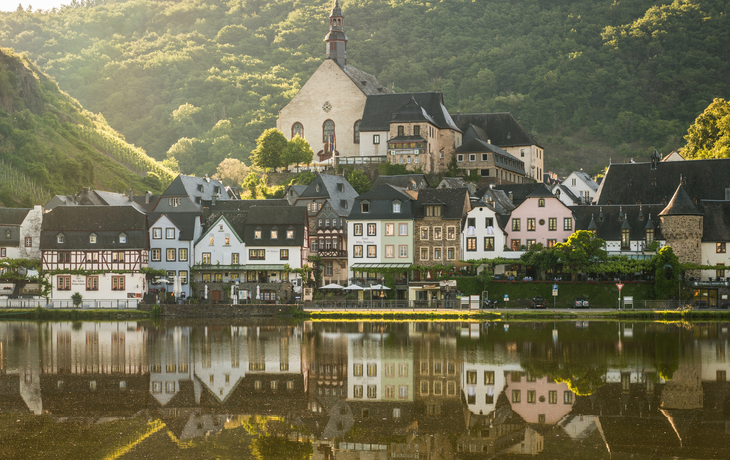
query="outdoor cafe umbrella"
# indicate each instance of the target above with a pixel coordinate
(377, 287)
(333, 286)
(353, 287)
(176, 287)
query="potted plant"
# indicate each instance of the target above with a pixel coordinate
(76, 298)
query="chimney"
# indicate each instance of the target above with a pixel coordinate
(147, 197)
(212, 200)
(130, 195)
(511, 197)
(206, 212)
(458, 116)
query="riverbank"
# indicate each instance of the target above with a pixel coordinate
(71, 314)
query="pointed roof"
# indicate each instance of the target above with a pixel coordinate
(592, 226)
(410, 112)
(336, 10)
(541, 191)
(680, 205)
(381, 108)
(496, 128)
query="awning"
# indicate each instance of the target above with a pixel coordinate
(249, 267)
(360, 266)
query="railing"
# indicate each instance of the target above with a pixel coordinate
(114, 304)
(365, 282)
(377, 304)
(361, 160)
(332, 253)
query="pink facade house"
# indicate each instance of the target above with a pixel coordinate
(541, 218)
(538, 400)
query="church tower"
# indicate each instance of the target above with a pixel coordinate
(336, 40)
(681, 224)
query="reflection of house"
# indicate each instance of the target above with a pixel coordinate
(538, 400)
(172, 246)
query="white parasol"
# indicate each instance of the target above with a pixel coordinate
(353, 287)
(333, 286)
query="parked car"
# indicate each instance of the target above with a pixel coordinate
(538, 302)
(581, 302)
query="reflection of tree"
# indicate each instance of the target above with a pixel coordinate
(584, 376)
(666, 355)
(275, 447)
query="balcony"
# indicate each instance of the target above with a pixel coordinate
(332, 253)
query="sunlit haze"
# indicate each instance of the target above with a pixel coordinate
(12, 5)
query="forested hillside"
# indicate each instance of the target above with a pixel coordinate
(201, 79)
(50, 145)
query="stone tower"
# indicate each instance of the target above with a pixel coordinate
(336, 40)
(682, 226)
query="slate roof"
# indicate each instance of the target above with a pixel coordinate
(502, 158)
(453, 200)
(406, 181)
(587, 179)
(541, 191)
(367, 83)
(500, 128)
(107, 222)
(335, 189)
(380, 110)
(412, 112)
(608, 224)
(184, 221)
(190, 186)
(625, 183)
(716, 221)
(282, 218)
(453, 182)
(520, 192)
(680, 205)
(381, 199)
(496, 199)
(566, 191)
(13, 216)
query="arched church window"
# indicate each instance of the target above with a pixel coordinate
(297, 129)
(357, 132)
(328, 131)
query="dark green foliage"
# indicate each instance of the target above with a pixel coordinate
(709, 136)
(389, 169)
(665, 262)
(358, 180)
(269, 150)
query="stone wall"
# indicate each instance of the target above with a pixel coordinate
(223, 311)
(684, 235)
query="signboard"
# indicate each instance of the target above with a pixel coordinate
(474, 302)
(619, 286)
(555, 292)
(450, 283)
(506, 298)
(308, 294)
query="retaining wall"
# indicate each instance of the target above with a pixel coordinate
(223, 311)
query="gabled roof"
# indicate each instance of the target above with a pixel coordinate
(13, 216)
(406, 181)
(502, 158)
(335, 189)
(265, 218)
(496, 128)
(680, 205)
(625, 183)
(716, 221)
(107, 222)
(380, 110)
(496, 199)
(367, 83)
(609, 220)
(565, 191)
(412, 112)
(541, 191)
(213, 221)
(452, 182)
(184, 221)
(587, 179)
(381, 200)
(452, 199)
(196, 187)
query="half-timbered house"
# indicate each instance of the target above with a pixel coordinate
(97, 251)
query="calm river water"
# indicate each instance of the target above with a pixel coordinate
(364, 390)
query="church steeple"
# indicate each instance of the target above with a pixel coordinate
(336, 40)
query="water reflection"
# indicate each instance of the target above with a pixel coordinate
(374, 390)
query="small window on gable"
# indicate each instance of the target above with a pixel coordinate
(290, 233)
(122, 238)
(274, 233)
(396, 206)
(200, 187)
(541, 202)
(60, 238)
(7, 234)
(257, 233)
(92, 238)
(317, 188)
(365, 206)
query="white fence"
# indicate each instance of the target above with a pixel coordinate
(115, 304)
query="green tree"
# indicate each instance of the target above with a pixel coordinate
(358, 180)
(666, 267)
(582, 250)
(269, 148)
(232, 171)
(253, 183)
(297, 151)
(709, 136)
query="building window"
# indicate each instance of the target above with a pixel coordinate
(297, 129)
(424, 253)
(650, 236)
(402, 229)
(357, 251)
(155, 254)
(122, 238)
(59, 238)
(471, 244)
(274, 233)
(437, 253)
(401, 130)
(437, 234)
(117, 283)
(257, 233)
(183, 255)
(719, 248)
(541, 202)
(396, 206)
(284, 254)
(460, 157)
(720, 272)
(206, 277)
(328, 268)
(516, 225)
(234, 258)
(553, 224)
(389, 250)
(531, 396)
(450, 233)
(516, 396)
(389, 229)
(170, 233)
(567, 223)
(530, 224)
(489, 243)
(358, 391)
(551, 243)
(63, 283)
(328, 132)
(516, 245)
(357, 370)
(358, 229)
(372, 229)
(365, 207)
(489, 377)
(567, 397)
(29, 241)
(171, 255)
(403, 251)
(372, 251)
(424, 233)
(157, 233)
(64, 257)
(530, 243)
(257, 254)
(183, 277)
(356, 132)
(625, 239)
(376, 138)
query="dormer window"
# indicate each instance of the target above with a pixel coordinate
(7, 234)
(200, 187)
(274, 233)
(217, 190)
(290, 233)
(316, 188)
(92, 238)
(343, 204)
(541, 202)
(396, 206)
(122, 238)
(433, 211)
(257, 233)
(60, 238)
(365, 206)
(341, 187)
(649, 236)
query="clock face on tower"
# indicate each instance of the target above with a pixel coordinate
(327, 106)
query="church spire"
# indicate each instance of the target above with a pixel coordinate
(336, 40)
